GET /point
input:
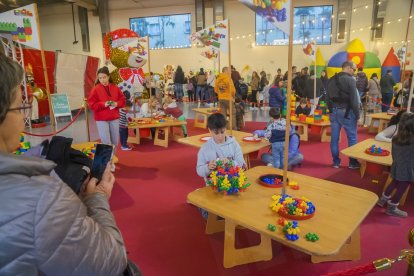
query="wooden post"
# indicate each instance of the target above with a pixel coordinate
(289, 92)
(85, 105)
(314, 81)
(44, 67)
(149, 67)
(231, 96)
(406, 43)
(410, 97)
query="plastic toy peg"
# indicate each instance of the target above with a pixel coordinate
(281, 221)
(312, 237)
(271, 227)
(375, 181)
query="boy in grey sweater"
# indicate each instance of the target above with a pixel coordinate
(219, 147)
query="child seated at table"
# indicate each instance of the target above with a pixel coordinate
(171, 108)
(303, 107)
(392, 129)
(402, 168)
(152, 108)
(123, 125)
(219, 147)
(275, 132)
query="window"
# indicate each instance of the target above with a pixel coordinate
(309, 23)
(166, 31)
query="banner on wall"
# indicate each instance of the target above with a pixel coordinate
(21, 25)
(275, 11)
(210, 53)
(215, 36)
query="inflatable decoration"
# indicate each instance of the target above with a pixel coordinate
(391, 62)
(355, 52)
(122, 48)
(320, 63)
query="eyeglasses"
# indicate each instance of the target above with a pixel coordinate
(24, 109)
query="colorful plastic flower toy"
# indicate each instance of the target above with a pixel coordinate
(23, 146)
(227, 178)
(292, 206)
(291, 230)
(271, 227)
(312, 237)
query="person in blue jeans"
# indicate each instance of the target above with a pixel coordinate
(275, 132)
(343, 104)
(387, 83)
(295, 157)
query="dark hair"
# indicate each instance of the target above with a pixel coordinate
(128, 103)
(405, 135)
(360, 69)
(274, 112)
(348, 64)
(103, 70)
(374, 75)
(389, 71)
(11, 75)
(216, 121)
(303, 101)
(179, 69)
(396, 118)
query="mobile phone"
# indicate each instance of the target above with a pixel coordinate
(103, 155)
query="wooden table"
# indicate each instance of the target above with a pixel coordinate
(340, 209)
(81, 146)
(247, 148)
(303, 129)
(163, 131)
(357, 151)
(382, 118)
(201, 115)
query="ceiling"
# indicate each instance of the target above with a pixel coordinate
(6, 5)
(143, 4)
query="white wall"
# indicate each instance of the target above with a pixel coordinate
(57, 33)
(57, 30)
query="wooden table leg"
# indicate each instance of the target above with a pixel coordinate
(325, 137)
(349, 251)
(382, 124)
(197, 120)
(233, 256)
(214, 225)
(372, 128)
(388, 182)
(159, 141)
(136, 140)
(302, 131)
(363, 167)
(247, 160)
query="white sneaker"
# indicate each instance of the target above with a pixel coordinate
(269, 164)
(126, 148)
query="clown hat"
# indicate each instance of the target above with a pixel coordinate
(118, 38)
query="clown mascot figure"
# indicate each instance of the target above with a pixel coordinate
(123, 49)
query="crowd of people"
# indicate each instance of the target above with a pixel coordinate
(33, 199)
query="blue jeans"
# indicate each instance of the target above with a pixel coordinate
(386, 101)
(277, 154)
(178, 89)
(338, 121)
(123, 136)
(293, 160)
(200, 92)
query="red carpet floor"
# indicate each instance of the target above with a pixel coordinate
(165, 236)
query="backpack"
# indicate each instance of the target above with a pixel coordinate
(73, 167)
(336, 94)
(243, 91)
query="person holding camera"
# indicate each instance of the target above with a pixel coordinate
(45, 228)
